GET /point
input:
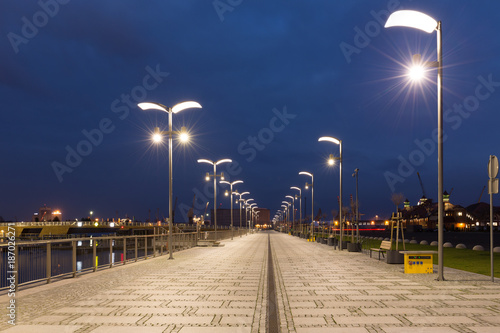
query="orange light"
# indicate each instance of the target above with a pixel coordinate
(373, 223)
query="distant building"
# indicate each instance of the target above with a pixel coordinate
(456, 217)
(46, 214)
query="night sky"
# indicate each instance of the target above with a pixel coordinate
(272, 77)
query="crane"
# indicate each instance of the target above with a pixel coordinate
(421, 184)
(481, 195)
(191, 211)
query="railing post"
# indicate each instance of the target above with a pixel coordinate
(146, 246)
(161, 244)
(135, 239)
(16, 266)
(154, 246)
(48, 260)
(124, 249)
(94, 254)
(73, 261)
(110, 252)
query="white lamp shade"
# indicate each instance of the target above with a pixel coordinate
(411, 19)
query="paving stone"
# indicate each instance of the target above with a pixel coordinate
(440, 320)
(366, 320)
(224, 290)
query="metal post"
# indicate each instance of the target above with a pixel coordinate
(340, 198)
(73, 261)
(94, 254)
(49, 262)
(110, 253)
(312, 206)
(16, 266)
(135, 241)
(215, 200)
(124, 250)
(154, 245)
(357, 205)
(170, 181)
(232, 230)
(146, 247)
(440, 151)
(240, 217)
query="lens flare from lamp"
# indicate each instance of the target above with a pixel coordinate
(416, 73)
(331, 160)
(184, 137)
(157, 138)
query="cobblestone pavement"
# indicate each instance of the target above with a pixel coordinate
(224, 289)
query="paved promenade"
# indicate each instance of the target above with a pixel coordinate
(225, 289)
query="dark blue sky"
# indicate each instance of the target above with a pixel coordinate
(282, 72)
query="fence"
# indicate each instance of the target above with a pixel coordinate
(39, 261)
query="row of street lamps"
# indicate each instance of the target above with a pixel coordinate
(183, 136)
(401, 18)
(331, 161)
(420, 21)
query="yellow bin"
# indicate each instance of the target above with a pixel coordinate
(418, 262)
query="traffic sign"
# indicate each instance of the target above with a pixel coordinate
(493, 166)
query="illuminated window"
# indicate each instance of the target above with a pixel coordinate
(459, 213)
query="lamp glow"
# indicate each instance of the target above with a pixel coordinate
(416, 72)
(330, 139)
(331, 160)
(183, 135)
(411, 19)
(185, 105)
(149, 106)
(157, 138)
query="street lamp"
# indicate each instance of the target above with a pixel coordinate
(231, 189)
(300, 204)
(246, 204)
(330, 162)
(312, 196)
(287, 212)
(293, 209)
(215, 175)
(250, 207)
(157, 138)
(240, 200)
(355, 174)
(279, 213)
(421, 21)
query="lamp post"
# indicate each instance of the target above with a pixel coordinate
(215, 175)
(240, 200)
(250, 222)
(293, 209)
(279, 212)
(231, 189)
(421, 21)
(312, 197)
(300, 203)
(287, 212)
(355, 174)
(157, 138)
(246, 204)
(331, 161)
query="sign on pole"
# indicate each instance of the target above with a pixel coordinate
(492, 189)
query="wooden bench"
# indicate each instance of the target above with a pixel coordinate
(384, 246)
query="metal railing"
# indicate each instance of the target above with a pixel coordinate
(45, 260)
